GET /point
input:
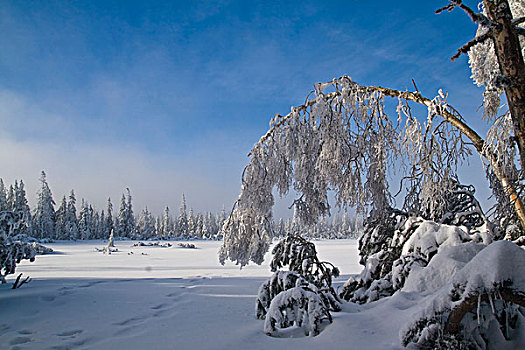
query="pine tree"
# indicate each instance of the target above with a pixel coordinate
(3, 196)
(146, 224)
(167, 228)
(61, 220)
(158, 227)
(125, 219)
(220, 219)
(200, 225)
(109, 218)
(130, 218)
(72, 231)
(121, 218)
(21, 209)
(11, 198)
(97, 232)
(85, 222)
(102, 229)
(183, 219)
(44, 218)
(191, 223)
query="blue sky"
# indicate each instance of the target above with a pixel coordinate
(167, 97)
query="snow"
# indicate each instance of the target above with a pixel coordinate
(176, 298)
(441, 268)
(155, 298)
(430, 236)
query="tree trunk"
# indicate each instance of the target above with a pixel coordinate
(510, 59)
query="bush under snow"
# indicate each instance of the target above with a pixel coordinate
(457, 281)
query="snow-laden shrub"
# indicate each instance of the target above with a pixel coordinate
(41, 249)
(417, 242)
(300, 256)
(296, 307)
(279, 282)
(12, 252)
(390, 236)
(474, 306)
(302, 296)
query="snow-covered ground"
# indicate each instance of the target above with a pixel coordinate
(173, 298)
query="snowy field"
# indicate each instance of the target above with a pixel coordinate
(173, 298)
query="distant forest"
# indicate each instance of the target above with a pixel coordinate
(47, 221)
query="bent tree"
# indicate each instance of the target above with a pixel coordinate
(343, 140)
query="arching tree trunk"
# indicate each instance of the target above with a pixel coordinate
(457, 313)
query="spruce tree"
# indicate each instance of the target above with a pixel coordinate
(102, 230)
(191, 223)
(11, 198)
(72, 231)
(109, 217)
(3, 196)
(44, 218)
(61, 220)
(183, 219)
(85, 224)
(21, 209)
(146, 224)
(121, 218)
(167, 228)
(130, 218)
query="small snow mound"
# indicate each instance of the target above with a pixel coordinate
(500, 263)
(430, 236)
(442, 267)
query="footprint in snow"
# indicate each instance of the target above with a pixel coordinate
(71, 333)
(158, 307)
(20, 340)
(129, 321)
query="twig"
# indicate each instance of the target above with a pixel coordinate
(415, 86)
(19, 284)
(478, 18)
(466, 48)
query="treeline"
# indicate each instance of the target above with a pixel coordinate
(66, 222)
(336, 226)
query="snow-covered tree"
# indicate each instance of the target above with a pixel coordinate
(3, 196)
(146, 224)
(109, 218)
(167, 229)
(61, 220)
(44, 217)
(344, 139)
(199, 226)
(12, 252)
(125, 219)
(72, 231)
(20, 208)
(182, 222)
(102, 231)
(85, 220)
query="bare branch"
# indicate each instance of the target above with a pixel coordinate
(466, 48)
(19, 284)
(518, 20)
(476, 17)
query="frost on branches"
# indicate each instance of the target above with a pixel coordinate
(342, 141)
(484, 63)
(11, 251)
